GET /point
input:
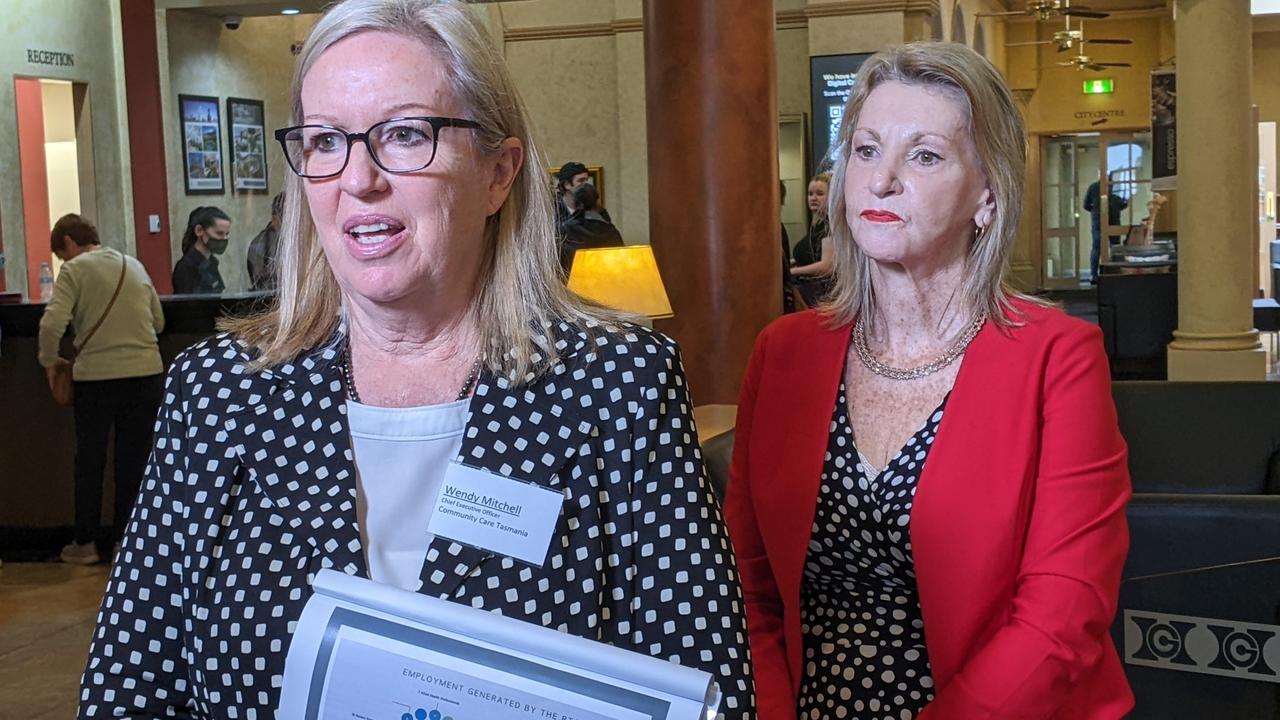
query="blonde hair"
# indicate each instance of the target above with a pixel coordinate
(1001, 141)
(825, 179)
(520, 293)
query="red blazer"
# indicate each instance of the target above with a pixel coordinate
(1018, 526)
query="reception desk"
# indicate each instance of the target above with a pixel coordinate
(37, 436)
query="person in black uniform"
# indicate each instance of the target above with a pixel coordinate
(207, 236)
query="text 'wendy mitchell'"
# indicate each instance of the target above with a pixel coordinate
(484, 501)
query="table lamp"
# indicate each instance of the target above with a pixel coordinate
(624, 278)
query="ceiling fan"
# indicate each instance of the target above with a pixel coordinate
(1084, 62)
(1049, 9)
(1069, 39)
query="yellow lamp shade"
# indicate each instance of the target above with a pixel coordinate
(624, 278)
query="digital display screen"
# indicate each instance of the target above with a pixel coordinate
(831, 80)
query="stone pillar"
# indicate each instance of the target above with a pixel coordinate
(1217, 231)
(712, 123)
(146, 139)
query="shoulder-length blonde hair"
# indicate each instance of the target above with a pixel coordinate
(1001, 140)
(825, 179)
(520, 294)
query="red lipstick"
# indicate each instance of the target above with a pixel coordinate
(880, 216)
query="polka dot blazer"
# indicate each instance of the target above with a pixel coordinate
(251, 490)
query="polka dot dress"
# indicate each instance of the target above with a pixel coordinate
(864, 644)
(251, 491)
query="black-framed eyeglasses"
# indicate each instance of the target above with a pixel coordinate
(398, 145)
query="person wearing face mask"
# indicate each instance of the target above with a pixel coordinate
(586, 228)
(942, 533)
(208, 234)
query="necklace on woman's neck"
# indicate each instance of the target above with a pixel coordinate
(348, 380)
(870, 362)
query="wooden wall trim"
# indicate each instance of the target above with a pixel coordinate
(792, 20)
(560, 32)
(786, 20)
(867, 7)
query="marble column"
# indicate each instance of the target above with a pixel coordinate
(712, 119)
(1217, 230)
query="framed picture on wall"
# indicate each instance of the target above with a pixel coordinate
(246, 133)
(596, 173)
(201, 144)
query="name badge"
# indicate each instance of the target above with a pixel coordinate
(496, 513)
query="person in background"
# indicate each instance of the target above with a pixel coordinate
(261, 257)
(118, 372)
(813, 255)
(571, 176)
(1093, 204)
(941, 533)
(207, 236)
(788, 285)
(421, 323)
(587, 227)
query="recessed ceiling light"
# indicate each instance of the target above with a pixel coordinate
(290, 11)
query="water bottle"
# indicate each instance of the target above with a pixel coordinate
(46, 282)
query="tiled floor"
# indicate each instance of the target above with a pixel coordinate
(47, 612)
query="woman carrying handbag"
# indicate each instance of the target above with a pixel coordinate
(115, 378)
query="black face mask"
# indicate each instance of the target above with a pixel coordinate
(216, 246)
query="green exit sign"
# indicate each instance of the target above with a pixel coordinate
(1101, 86)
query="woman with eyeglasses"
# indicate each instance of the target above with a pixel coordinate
(421, 333)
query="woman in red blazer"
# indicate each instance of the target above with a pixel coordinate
(928, 484)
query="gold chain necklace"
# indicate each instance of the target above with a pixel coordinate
(871, 363)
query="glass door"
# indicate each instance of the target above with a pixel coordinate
(1097, 186)
(1061, 246)
(1126, 181)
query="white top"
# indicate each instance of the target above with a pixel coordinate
(125, 346)
(401, 455)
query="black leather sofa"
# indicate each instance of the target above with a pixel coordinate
(1204, 547)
